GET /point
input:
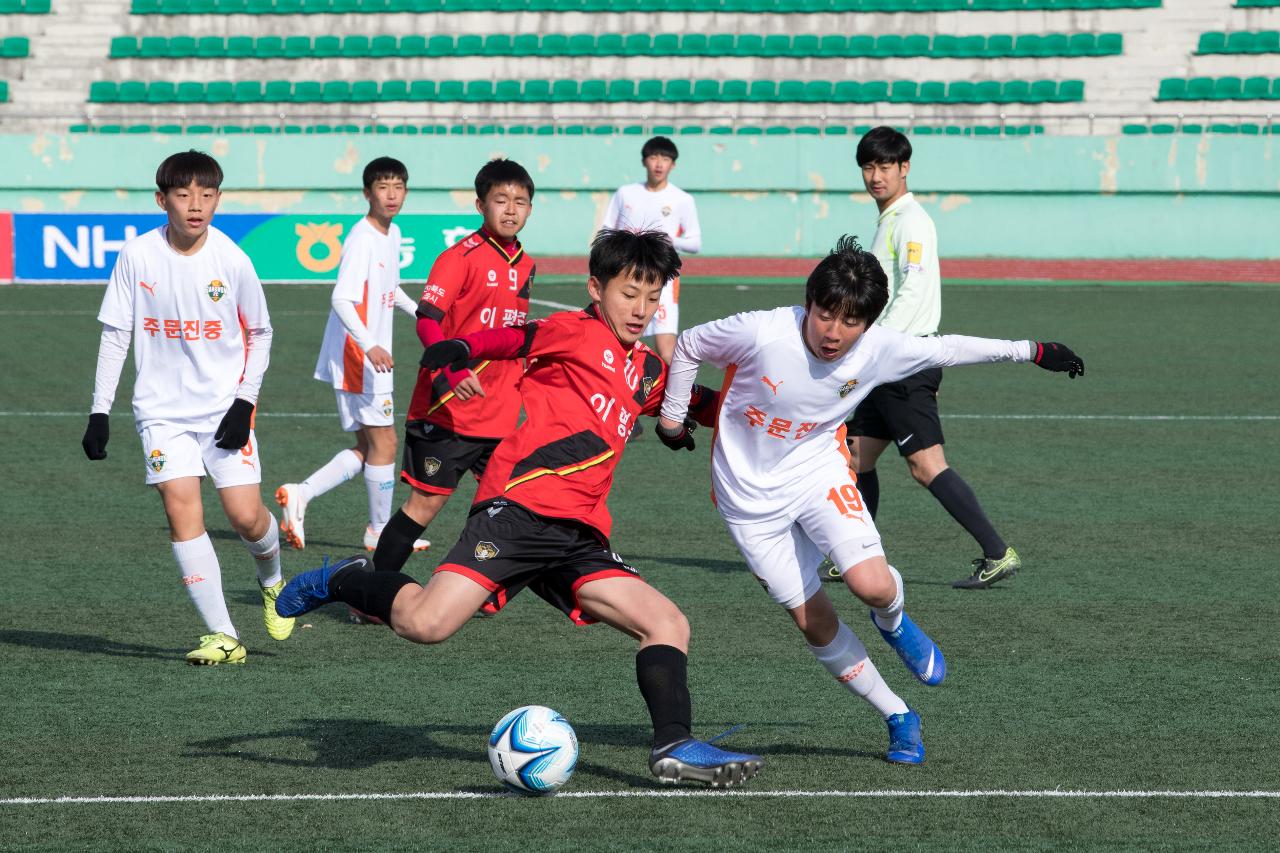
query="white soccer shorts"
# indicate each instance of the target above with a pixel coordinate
(784, 552)
(173, 451)
(362, 410)
(666, 320)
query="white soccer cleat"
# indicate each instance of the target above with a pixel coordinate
(371, 540)
(289, 496)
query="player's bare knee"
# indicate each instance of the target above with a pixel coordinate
(668, 626)
(871, 582)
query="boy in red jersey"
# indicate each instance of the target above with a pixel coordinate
(540, 519)
(454, 423)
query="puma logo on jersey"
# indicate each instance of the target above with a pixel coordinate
(772, 385)
(149, 288)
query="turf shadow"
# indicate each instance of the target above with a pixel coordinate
(87, 644)
(710, 565)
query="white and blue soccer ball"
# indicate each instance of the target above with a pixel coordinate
(533, 750)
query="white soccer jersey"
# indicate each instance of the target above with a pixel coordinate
(187, 314)
(906, 245)
(781, 407)
(368, 277)
(670, 209)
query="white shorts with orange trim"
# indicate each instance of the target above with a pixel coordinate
(171, 452)
(667, 319)
(784, 552)
(362, 410)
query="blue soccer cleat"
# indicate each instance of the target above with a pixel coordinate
(905, 743)
(921, 654)
(309, 590)
(697, 761)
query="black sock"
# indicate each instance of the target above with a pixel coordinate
(959, 500)
(663, 675)
(869, 487)
(395, 545)
(366, 591)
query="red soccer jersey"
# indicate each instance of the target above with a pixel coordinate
(582, 391)
(475, 285)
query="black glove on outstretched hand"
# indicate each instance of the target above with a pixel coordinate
(454, 352)
(233, 432)
(679, 439)
(1059, 358)
(96, 435)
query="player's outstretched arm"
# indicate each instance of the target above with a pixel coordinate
(1059, 358)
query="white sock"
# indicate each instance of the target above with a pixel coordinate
(846, 659)
(203, 579)
(266, 552)
(335, 472)
(380, 482)
(889, 618)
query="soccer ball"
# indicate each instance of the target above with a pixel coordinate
(533, 750)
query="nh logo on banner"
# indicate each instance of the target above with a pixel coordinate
(90, 249)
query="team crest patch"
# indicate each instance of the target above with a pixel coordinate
(486, 551)
(666, 210)
(647, 385)
(156, 460)
(847, 388)
(387, 407)
(217, 290)
(430, 465)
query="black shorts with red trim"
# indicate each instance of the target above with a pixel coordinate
(904, 412)
(505, 548)
(436, 458)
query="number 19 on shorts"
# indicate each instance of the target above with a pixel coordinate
(847, 500)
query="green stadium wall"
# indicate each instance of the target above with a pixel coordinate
(1215, 197)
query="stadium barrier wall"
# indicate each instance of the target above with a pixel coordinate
(1033, 198)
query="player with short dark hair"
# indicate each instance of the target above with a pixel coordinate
(540, 519)
(189, 300)
(355, 359)
(455, 422)
(780, 477)
(659, 204)
(905, 413)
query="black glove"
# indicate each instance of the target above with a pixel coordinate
(681, 438)
(233, 432)
(1059, 358)
(454, 352)
(96, 435)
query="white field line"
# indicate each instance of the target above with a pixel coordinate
(976, 417)
(1055, 793)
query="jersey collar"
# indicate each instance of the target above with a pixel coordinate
(512, 260)
(907, 196)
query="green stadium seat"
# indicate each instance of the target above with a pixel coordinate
(722, 44)
(210, 47)
(507, 92)
(1043, 91)
(154, 47)
(380, 46)
(762, 90)
(1255, 88)
(987, 92)
(308, 92)
(1026, 45)
(665, 44)
(961, 92)
(777, 130)
(238, 47)
(846, 92)
(649, 90)
(525, 44)
(182, 47)
(637, 44)
(219, 92)
(564, 90)
(945, 47)
(422, 90)
(208, 128)
(440, 46)
(889, 45)
(122, 47)
(621, 91)
(932, 92)
(750, 130)
(705, 90)
(1226, 89)
(678, 91)
(1109, 44)
(733, 91)
(103, 92)
(536, 91)
(1268, 41)
(202, 7)
(139, 7)
(554, 44)
(233, 7)
(1239, 42)
(1162, 129)
(1172, 89)
(277, 91)
(790, 91)
(694, 44)
(1082, 44)
(609, 44)
(593, 91)
(1054, 44)
(268, 47)
(246, 92)
(295, 7)
(804, 45)
(1200, 89)
(915, 45)
(334, 91)
(582, 44)
(259, 7)
(691, 130)
(1134, 129)
(478, 91)
(353, 47)
(1016, 92)
(873, 92)
(365, 91)
(992, 47)
(451, 91)
(405, 130)
(186, 92)
(412, 46)
(297, 47)
(1223, 128)
(748, 44)
(135, 91)
(818, 92)
(776, 45)
(138, 128)
(468, 45)
(903, 92)
(720, 130)
(833, 45)
(861, 46)
(1213, 42)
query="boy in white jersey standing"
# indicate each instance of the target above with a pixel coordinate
(906, 412)
(657, 204)
(779, 471)
(355, 358)
(191, 302)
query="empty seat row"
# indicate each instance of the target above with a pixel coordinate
(1257, 4)
(304, 7)
(550, 129)
(14, 47)
(24, 7)
(616, 44)
(1245, 129)
(1219, 89)
(1262, 41)
(622, 90)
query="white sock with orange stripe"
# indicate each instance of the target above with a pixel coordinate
(202, 577)
(846, 658)
(266, 553)
(380, 482)
(335, 472)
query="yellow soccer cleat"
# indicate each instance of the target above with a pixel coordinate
(215, 649)
(279, 627)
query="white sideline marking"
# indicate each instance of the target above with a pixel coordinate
(1055, 793)
(1049, 417)
(559, 306)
